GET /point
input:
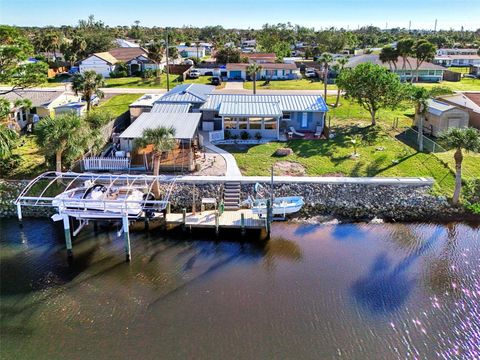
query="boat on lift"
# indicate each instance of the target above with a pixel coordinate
(281, 206)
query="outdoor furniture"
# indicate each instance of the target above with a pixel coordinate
(206, 201)
(318, 131)
(295, 132)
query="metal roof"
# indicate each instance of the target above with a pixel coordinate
(146, 100)
(437, 108)
(185, 124)
(305, 103)
(249, 109)
(375, 59)
(170, 108)
(188, 93)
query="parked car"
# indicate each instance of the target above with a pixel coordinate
(194, 74)
(73, 70)
(215, 80)
(310, 73)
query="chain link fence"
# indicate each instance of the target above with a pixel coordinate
(410, 137)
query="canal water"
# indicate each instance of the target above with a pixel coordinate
(352, 291)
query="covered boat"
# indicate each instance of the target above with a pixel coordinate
(282, 206)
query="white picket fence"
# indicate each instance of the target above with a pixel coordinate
(106, 164)
(216, 135)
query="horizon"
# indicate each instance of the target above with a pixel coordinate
(342, 14)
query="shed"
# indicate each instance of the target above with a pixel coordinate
(442, 116)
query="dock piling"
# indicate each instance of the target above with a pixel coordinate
(217, 223)
(184, 218)
(19, 214)
(68, 235)
(242, 223)
(126, 234)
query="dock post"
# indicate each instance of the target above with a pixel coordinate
(95, 227)
(126, 234)
(147, 223)
(68, 235)
(19, 214)
(217, 223)
(168, 208)
(242, 223)
(184, 218)
(269, 218)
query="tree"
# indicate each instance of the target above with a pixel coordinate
(15, 49)
(325, 61)
(276, 39)
(467, 139)
(389, 55)
(227, 55)
(163, 140)
(8, 140)
(65, 136)
(253, 70)
(422, 51)
(405, 49)
(338, 67)
(355, 141)
(88, 84)
(419, 96)
(156, 51)
(373, 87)
(72, 49)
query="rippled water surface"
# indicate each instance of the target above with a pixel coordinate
(352, 291)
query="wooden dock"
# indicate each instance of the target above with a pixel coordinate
(240, 219)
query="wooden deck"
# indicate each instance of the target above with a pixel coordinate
(229, 219)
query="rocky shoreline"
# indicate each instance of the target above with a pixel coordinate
(341, 202)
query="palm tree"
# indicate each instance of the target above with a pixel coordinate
(156, 51)
(339, 67)
(405, 49)
(252, 71)
(419, 96)
(163, 140)
(89, 84)
(389, 55)
(325, 61)
(8, 139)
(65, 135)
(467, 139)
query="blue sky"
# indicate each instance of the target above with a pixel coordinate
(247, 13)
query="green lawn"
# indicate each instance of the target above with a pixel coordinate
(137, 82)
(119, 104)
(462, 70)
(28, 159)
(300, 84)
(466, 84)
(470, 165)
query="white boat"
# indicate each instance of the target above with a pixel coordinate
(281, 205)
(97, 198)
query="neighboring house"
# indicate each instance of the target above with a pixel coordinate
(475, 70)
(457, 60)
(445, 51)
(44, 103)
(271, 116)
(260, 58)
(469, 102)
(193, 94)
(192, 51)
(126, 43)
(53, 56)
(78, 108)
(442, 116)
(428, 72)
(186, 134)
(104, 63)
(268, 72)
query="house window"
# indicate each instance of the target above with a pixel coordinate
(270, 123)
(431, 72)
(255, 123)
(287, 115)
(304, 123)
(243, 123)
(230, 123)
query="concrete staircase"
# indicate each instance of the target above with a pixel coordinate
(231, 196)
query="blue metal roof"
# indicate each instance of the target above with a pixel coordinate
(290, 103)
(188, 93)
(170, 108)
(249, 109)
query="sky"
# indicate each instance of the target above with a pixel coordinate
(248, 13)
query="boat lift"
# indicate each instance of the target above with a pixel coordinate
(42, 192)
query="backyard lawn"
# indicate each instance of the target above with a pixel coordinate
(137, 82)
(118, 104)
(28, 159)
(466, 84)
(300, 84)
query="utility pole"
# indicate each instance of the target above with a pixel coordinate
(168, 63)
(435, 29)
(409, 25)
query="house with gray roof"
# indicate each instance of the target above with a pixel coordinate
(268, 116)
(441, 116)
(193, 94)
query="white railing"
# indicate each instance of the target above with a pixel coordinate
(106, 163)
(216, 135)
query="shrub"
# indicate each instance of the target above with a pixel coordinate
(228, 134)
(148, 74)
(234, 136)
(99, 117)
(258, 135)
(244, 135)
(471, 194)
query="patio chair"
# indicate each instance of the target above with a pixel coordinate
(295, 132)
(318, 131)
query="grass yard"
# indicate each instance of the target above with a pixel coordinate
(27, 159)
(466, 84)
(470, 165)
(462, 70)
(118, 104)
(137, 82)
(300, 84)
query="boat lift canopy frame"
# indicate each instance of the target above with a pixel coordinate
(70, 180)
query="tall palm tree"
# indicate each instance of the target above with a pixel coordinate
(252, 70)
(325, 60)
(65, 135)
(405, 49)
(156, 50)
(467, 139)
(339, 67)
(163, 140)
(8, 139)
(88, 84)
(419, 96)
(389, 55)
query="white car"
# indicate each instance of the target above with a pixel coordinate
(310, 73)
(194, 74)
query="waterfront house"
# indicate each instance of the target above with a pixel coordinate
(441, 116)
(44, 103)
(469, 102)
(428, 72)
(192, 51)
(104, 63)
(270, 116)
(275, 71)
(193, 94)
